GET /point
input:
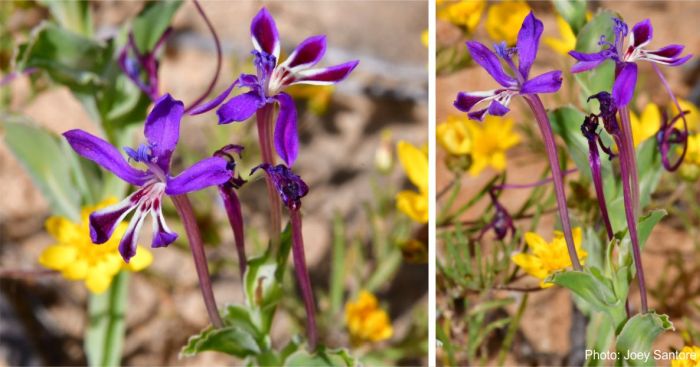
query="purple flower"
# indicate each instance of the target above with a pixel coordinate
(272, 78)
(502, 222)
(626, 57)
(589, 128)
(232, 205)
(516, 84)
(290, 186)
(162, 131)
(133, 61)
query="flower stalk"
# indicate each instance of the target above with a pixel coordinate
(303, 277)
(186, 213)
(264, 118)
(533, 100)
(235, 218)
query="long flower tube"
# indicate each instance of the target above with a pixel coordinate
(520, 83)
(588, 128)
(184, 210)
(608, 113)
(232, 205)
(291, 188)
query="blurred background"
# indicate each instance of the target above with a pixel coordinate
(348, 158)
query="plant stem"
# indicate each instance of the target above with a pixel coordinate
(217, 44)
(235, 219)
(632, 223)
(264, 119)
(594, 161)
(512, 329)
(303, 277)
(540, 113)
(184, 209)
(628, 146)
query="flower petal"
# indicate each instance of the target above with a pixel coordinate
(549, 82)
(326, 76)
(489, 61)
(162, 129)
(478, 115)
(208, 106)
(127, 246)
(106, 155)
(239, 108)
(642, 33)
(103, 222)
(162, 235)
(264, 33)
(308, 53)
(497, 109)
(466, 101)
(626, 80)
(528, 42)
(670, 51)
(207, 172)
(585, 66)
(286, 137)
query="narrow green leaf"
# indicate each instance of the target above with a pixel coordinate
(40, 153)
(338, 265)
(573, 11)
(638, 335)
(152, 21)
(104, 336)
(72, 15)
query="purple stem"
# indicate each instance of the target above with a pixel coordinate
(664, 154)
(235, 219)
(303, 276)
(533, 100)
(184, 209)
(632, 223)
(627, 150)
(594, 160)
(217, 44)
(264, 120)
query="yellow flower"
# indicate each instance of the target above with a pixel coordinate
(692, 117)
(453, 135)
(318, 97)
(646, 125)
(425, 38)
(689, 356)
(504, 19)
(566, 43)
(690, 168)
(415, 163)
(546, 259)
(365, 321)
(464, 13)
(77, 258)
(494, 136)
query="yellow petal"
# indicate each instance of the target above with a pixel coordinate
(453, 135)
(504, 19)
(692, 117)
(534, 240)
(415, 163)
(141, 260)
(98, 281)
(413, 204)
(76, 270)
(62, 229)
(58, 256)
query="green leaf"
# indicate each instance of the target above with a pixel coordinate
(602, 77)
(637, 337)
(104, 336)
(235, 315)
(152, 21)
(596, 290)
(599, 335)
(263, 282)
(40, 153)
(231, 340)
(321, 358)
(69, 58)
(72, 15)
(573, 11)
